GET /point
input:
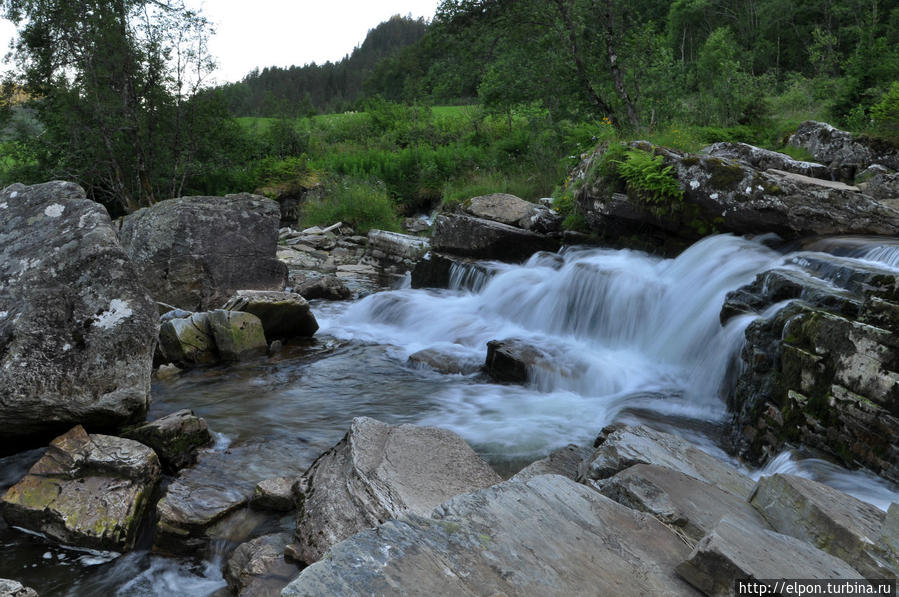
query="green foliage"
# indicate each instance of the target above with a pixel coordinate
(649, 178)
(362, 204)
(885, 113)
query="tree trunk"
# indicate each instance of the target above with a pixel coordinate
(615, 70)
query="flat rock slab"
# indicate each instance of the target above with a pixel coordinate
(548, 536)
(738, 551)
(258, 568)
(195, 252)
(626, 446)
(283, 315)
(77, 329)
(827, 184)
(830, 519)
(679, 500)
(486, 239)
(175, 438)
(378, 472)
(87, 491)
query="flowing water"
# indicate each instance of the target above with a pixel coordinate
(633, 338)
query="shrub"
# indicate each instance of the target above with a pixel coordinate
(886, 114)
(362, 204)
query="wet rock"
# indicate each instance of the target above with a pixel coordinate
(680, 501)
(444, 362)
(195, 252)
(381, 471)
(13, 588)
(513, 211)
(77, 330)
(625, 446)
(274, 494)
(547, 536)
(258, 568)
(400, 245)
(765, 159)
(284, 315)
(485, 239)
(87, 491)
(437, 270)
(175, 438)
(564, 461)
(735, 550)
(829, 519)
(238, 335)
(513, 359)
(198, 499)
(329, 288)
(838, 148)
(188, 340)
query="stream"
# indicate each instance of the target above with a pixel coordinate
(635, 339)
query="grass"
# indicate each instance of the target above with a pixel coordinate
(362, 204)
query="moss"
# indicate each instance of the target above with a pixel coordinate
(690, 161)
(451, 527)
(723, 174)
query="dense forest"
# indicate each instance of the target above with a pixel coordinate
(488, 95)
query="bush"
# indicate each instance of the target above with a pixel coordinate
(364, 205)
(886, 114)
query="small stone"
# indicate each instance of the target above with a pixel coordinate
(175, 438)
(274, 494)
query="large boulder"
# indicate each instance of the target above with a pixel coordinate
(624, 446)
(175, 438)
(195, 252)
(329, 288)
(77, 330)
(513, 360)
(284, 315)
(843, 150)
(736, 551)
(485, 239)
(680, 501)
(87, 490)
(720, 194)
(513, 211)
(829, 519)
(546, 536)
(378, 472)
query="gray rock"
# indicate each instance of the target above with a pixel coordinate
(437, 270)
(513, 360)
(835, 147)
(378, 472)
(444, 362)
(888, 543)
(329, 288)
(625, 446)
(195, 252)
(87, 490)
(884, 187)
(765, 159)
(77, 330)
(175, 438)
(829, 519)
(400, 245)
(564, 461)
(258, 568)
(13, 588)
(680, 501)
(197, 500)
(547, 536)
(274, 494)
(735, 550)
(284, 315)
(514, 211)
(188, 340)
(485, 239)
(238, 335)
(416, 225)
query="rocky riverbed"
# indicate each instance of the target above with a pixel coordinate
(567, 421)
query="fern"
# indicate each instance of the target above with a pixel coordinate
(649, 178)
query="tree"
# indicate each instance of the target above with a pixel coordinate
(112, 82)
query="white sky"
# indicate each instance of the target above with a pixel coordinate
(262, 33)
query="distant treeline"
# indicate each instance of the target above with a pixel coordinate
(320, 88)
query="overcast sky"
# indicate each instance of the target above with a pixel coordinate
(251, 33)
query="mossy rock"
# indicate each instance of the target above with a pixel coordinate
(238, 335)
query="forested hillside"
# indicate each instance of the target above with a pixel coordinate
(329, 87)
